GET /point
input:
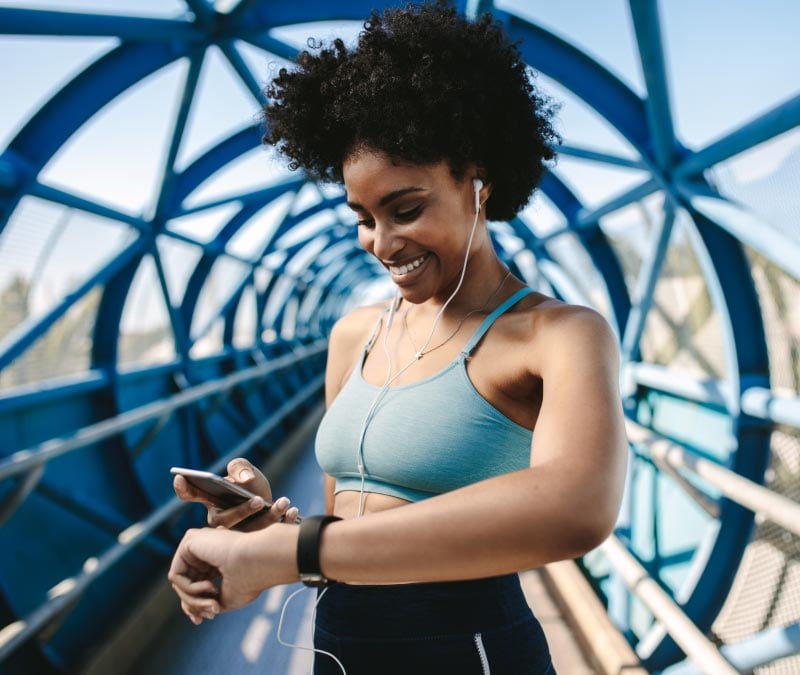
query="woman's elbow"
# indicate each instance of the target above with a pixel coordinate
(586, 529)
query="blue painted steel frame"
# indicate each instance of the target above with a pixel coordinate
(153, 43)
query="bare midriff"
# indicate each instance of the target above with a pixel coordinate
(345, 504)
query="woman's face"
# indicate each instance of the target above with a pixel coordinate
(415, 219)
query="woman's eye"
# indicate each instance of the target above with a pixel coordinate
(365, 222)
(410, 214)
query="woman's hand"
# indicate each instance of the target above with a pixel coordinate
(215, 570)
(243, 473)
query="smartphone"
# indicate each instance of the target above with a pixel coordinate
(223, 493)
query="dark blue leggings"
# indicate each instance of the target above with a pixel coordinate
(481, 626)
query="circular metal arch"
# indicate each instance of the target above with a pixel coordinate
(318, 292)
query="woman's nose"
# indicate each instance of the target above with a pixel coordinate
(385, 242)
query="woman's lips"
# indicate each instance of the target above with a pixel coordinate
(410, 270)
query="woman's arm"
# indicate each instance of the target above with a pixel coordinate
(561, 507)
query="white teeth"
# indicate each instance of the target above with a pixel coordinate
(405, 269)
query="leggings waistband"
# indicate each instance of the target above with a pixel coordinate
(422, 609)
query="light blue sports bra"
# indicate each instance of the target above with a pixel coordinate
(424, 438)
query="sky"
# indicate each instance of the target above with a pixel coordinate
(727, 61)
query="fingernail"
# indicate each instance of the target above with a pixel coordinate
(208, 615)
(282, 503)
(246, 474)
(257, 503)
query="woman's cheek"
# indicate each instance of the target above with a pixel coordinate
(365, 239)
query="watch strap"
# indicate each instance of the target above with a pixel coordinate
(308, 542)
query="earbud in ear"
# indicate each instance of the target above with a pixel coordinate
(477, 184)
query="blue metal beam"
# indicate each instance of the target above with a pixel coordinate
(204, 266)
(772, 123)
(647, 28)
(601, 90)
(14, 21)
(256, 17)
(744, 225)
(602, 157)
(589, 217)
(72, 201)
(9, 176)
(164, 204)
(178, 329)
(105, 339)
(274, 46)
(260, 196)
(646, 285)
(18, 341)
(594, 242)
(77, 101)
(721, 256)
(228, 48)
(214, 159)
(203, 11)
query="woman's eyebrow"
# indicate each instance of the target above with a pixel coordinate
(387, 198)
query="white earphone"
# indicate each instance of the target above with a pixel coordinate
(477, 184)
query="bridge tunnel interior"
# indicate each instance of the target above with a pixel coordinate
(167, 285)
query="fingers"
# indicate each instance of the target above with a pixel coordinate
(276, 514)
(196, 619)
(252, 515)
(231, 517)
(193, 581)
(189, 493)
(245, 474)
(197, 608)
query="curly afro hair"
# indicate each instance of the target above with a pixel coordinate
(423, 85)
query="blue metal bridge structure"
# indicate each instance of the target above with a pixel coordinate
(184, 322)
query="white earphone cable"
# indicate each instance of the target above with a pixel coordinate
(370, 413)
(294, 645)
(389, 379)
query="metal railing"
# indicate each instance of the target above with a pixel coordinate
(688, 636)
(703, 654)
(760, 500)
(63, 597)
(31, 460)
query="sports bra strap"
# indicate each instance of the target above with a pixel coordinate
(376, 330)
(489, 320)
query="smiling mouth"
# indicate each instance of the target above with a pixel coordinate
(409, 267)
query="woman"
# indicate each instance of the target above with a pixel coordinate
(474, 427)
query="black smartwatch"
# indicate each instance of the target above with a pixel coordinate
(308, 550)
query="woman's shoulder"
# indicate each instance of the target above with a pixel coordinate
(355, 327)
(347, 338)
(351, 332)
(562, 327)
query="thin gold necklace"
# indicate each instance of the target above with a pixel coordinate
(460, 323)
